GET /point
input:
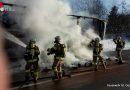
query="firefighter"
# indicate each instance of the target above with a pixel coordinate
(120, 44)
(31, 56)
(97, 57)
(59, 54)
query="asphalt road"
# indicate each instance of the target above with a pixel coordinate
(91, 80)
(116, 77)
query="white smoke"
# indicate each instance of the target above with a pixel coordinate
(109, 48)
(109, 45)
(47, 19)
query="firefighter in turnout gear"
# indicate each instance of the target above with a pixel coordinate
(31, 56)
(120, 44)
(97, 57)
(59, 54)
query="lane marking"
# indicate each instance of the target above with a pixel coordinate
(82, 73)
(31, 84)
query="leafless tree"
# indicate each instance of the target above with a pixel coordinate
(93, 7)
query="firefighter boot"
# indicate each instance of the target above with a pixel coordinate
(95, 67)
(55, 76)
(35, 77)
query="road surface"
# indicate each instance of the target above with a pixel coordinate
(116, 77)
(101, 80)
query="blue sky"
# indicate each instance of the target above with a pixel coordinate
(108, 3)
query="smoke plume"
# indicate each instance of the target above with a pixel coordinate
(48, 18)
(45, 19)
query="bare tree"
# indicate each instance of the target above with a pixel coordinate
(93, 7)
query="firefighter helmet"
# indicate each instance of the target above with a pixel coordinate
(57, 39)
(32, 41)
(119, 37)
(97, 39)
